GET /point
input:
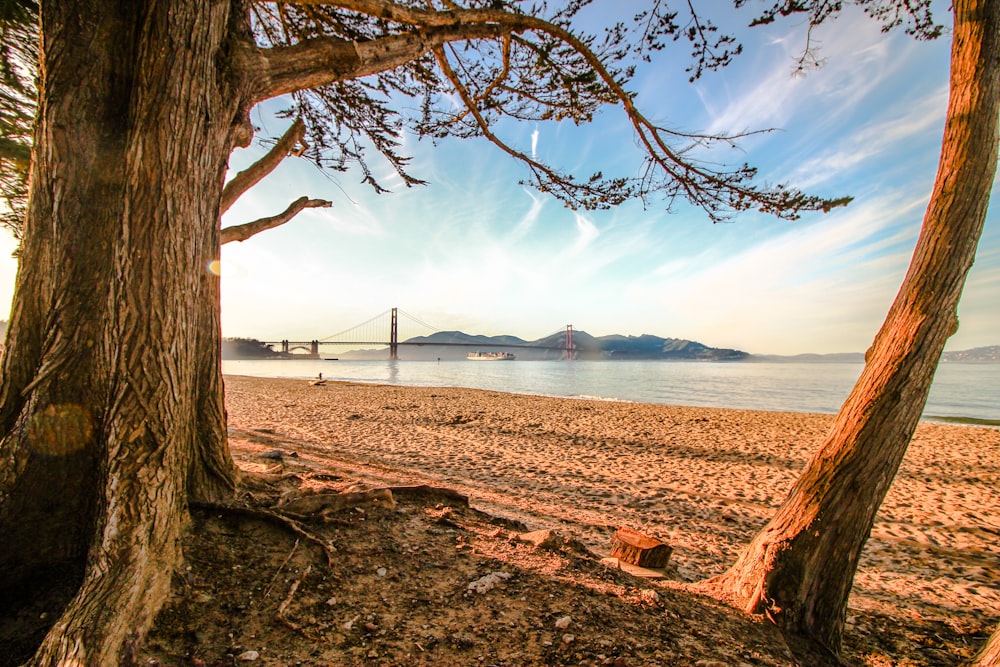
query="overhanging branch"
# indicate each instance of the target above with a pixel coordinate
(252, 175)
(316, 62)
(246, 230)
(560, 61)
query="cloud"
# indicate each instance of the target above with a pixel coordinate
(534, 144)
(906, 122)
(586, 231)
(771, 94)
(823, 286)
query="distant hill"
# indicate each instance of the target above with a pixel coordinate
(249, 348)
(983, 355)
(453, 345)
(837, 358)
(459, 344)
(987, 354)
(654, 347)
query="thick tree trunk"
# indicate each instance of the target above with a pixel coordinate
(112, 365)
(799, 569)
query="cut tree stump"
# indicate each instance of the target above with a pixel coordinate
(635, 548)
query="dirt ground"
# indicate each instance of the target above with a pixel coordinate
(423, 579)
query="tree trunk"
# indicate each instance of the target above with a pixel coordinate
(111, 405)
(989, 655)
(799, 569)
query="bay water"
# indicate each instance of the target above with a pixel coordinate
(961, 391)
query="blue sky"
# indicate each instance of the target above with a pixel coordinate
(475, 251)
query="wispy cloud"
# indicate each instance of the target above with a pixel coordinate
(820, 286)
(903, 124)
(527, 221)
(771, 93)
(586, 233)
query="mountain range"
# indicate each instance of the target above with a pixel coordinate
(617, 346)
(978, 355)
(450, 345)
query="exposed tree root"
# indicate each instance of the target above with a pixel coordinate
(275, 518)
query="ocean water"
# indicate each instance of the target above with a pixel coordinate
(960, 391)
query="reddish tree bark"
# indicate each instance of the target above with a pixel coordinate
(989, 655)
(799, 569)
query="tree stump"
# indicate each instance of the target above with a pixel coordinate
(635, 548)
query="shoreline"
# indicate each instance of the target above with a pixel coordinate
(704, 480)
(809, 389)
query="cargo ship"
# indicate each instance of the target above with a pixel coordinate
(490, 356)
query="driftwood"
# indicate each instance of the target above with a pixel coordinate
(324, 504)
(431, 492)
(635, 548)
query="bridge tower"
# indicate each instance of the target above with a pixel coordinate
(394, 335)
(569, 341)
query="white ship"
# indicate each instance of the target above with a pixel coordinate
(491, 356)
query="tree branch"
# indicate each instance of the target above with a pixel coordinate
(246, 230)
(575, 194)
(252, 175)
(414, 32)
(316, 62)
(408, 15)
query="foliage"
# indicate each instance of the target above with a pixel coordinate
(18, 64)
(248, 348)
(521, 62)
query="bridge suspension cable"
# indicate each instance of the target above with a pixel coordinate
(364, 327)
(416, 320)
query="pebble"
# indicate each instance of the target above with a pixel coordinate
(569, 639)
(381, 572)
(649, 596)
(487, 583)
(563, 622)
(248, 656)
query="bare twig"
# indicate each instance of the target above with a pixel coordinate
(280, 614)
(252, 175)
(281, 567)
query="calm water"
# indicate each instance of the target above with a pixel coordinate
(959, 390)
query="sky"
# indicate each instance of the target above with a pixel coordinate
(477, 252)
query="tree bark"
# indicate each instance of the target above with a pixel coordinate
(989, 655)
(799, 569)
(103, 415)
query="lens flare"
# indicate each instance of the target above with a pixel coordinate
(59, 430)
(214, 267)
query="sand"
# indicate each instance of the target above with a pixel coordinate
(703, 480)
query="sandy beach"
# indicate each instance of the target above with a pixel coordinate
(703, 480)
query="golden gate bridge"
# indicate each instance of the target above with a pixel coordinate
(384, 330)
